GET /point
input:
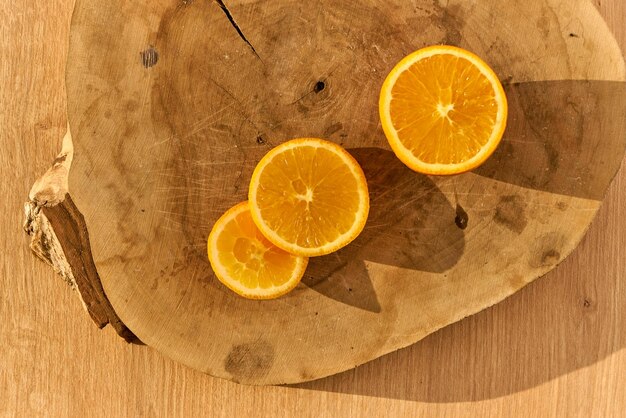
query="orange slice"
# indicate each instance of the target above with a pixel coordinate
(246, 262)
(443, 110)
(309, 197)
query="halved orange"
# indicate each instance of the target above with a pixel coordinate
(443, 110)
(309, 197)
(246, 262)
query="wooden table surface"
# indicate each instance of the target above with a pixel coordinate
(556, 348)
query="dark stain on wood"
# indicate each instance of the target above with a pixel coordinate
(548, 250)
(550, 257)
(149, 57)
(306, 375)
(553, 157)
(510, 212)
(334, 128)
(250, 360)
(543, 24)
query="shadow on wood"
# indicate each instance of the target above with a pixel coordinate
(562, 137)
(562, 323)
(411, 225)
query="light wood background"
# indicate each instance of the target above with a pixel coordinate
(557, 348)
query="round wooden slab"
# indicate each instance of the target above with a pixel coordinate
(173, 102)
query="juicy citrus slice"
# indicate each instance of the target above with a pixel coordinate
(246, 262)
(309, 197)
(443, 110)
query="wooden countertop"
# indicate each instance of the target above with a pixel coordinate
(556, 348)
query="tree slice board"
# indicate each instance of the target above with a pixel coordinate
(173, 102)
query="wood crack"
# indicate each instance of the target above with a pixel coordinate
(234, 24)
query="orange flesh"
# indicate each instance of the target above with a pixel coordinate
(443, 109)
(250, 258)
(308, 196)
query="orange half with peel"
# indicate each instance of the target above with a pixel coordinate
(309, 197)
(246, 262)
(443, 110)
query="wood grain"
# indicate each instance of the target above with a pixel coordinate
(166, 138)
(58, 364)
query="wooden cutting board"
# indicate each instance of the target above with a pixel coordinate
(172, 103)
